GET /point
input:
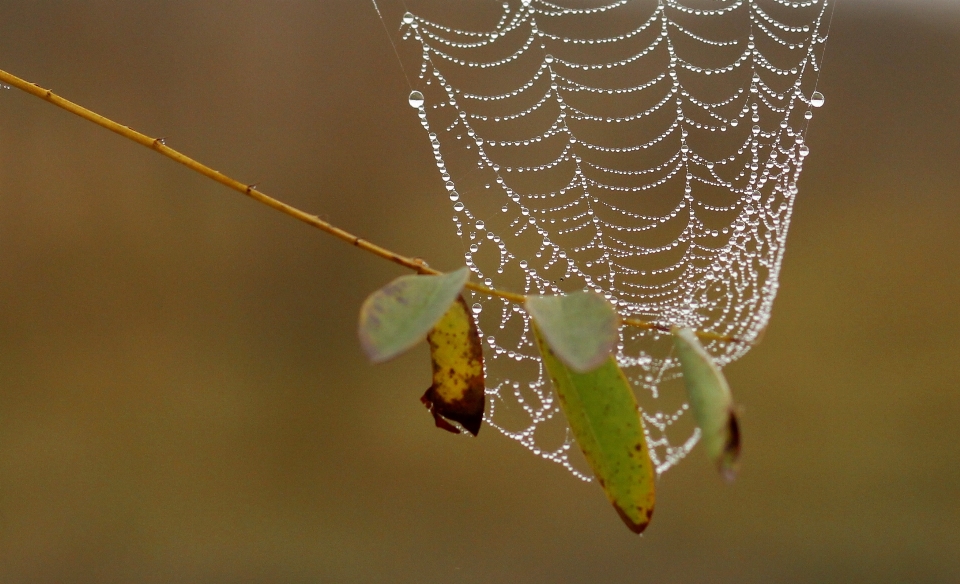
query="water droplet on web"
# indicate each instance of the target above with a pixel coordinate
(408, 19)
(816, 100)
(415, 99)
(454, 195)
(477, 308)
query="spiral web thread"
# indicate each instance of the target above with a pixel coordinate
(646, 150)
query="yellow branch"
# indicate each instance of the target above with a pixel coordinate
(249, 190)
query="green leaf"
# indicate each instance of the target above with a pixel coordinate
(582, 328)
(458, 391)
(605, 419)
(710, 401)
(399, 315)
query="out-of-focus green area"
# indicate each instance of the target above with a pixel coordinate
(183, 398)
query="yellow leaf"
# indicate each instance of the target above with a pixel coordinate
(458, 391)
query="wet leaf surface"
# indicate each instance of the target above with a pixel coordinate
(710, 401)
(399, 315)
(582, 328)
(458, 390)
(605, 419)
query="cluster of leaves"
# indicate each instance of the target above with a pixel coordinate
(576, 335)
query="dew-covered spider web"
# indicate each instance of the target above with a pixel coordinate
(647, 150)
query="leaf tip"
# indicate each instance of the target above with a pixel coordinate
(469, 418)
(437, 418)
(635, 526)
(729, 460)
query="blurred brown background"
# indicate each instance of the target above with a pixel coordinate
(182, 397)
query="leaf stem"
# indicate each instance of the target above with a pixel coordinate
(158, 145)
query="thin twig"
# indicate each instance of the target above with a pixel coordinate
(158, 145)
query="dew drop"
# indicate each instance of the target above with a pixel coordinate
(408, 18)
(454, 196)
(816, 100)
(477, 308)
(415, 99)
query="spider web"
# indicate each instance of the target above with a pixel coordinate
(646, 150)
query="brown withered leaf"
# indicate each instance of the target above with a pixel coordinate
(458, 390)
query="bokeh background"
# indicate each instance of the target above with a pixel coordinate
(183, 399)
